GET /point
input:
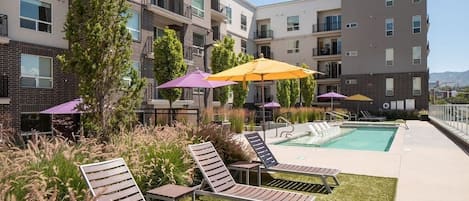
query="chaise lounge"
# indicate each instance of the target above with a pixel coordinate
(222, 184)
(270, 163)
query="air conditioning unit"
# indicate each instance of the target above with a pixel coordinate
(416, 61)
(417, 92)
(351, 53)
(351, 81)
(389, 92)
(389, 63)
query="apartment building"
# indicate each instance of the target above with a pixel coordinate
(375, 47)
(31, 79)
(385, 52)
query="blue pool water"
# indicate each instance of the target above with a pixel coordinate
(362, 138)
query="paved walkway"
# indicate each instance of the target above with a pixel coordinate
(428, 165)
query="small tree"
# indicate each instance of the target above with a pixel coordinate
(240, 91)
(294, 91)
(308, 86)
(223, 57)
(100, 50)
(283, 92)
(169, 64)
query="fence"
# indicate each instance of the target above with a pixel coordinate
(455, 116)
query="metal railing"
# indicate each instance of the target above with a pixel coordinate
(219, 7)
(287, 133)
(3, 86)
(263, 34)
(321, 27)
(3, 25)
(182, 9)
(455, 116)
(326, 51)
(148, 48)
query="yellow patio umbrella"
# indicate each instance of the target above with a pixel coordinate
(259, 70)
(359, 98)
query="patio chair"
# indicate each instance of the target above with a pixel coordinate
(222, 184)
(368, 117)
(321, 130)
(111, 180)
(270, 163)
(313, 130)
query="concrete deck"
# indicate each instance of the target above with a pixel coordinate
(428, 165)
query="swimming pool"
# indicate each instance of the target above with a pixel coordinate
(361, 138)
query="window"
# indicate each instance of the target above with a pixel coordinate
(228, 14)
(36, 71)
(198, 8)
(243, 46)
(294, 46)
(35, 122)
(416, 1)
(389, 56)
(389, 27)
(244, 22)
(416, 86)
(416, 24)
(351, 25)
(133, 25)
(389, 86)
(36, 15)
(416, 55)
(158, 32)
(293, 23)
(136, 66)
(389, 3)
(332, 23)
(351, 53)
(198, 41)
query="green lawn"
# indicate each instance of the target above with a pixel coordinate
(352, 187)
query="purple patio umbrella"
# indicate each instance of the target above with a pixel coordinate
(64, 108)
(332, 95)
(272, 104)
(196, 79)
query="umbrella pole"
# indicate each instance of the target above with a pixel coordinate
(263, 103)
(332, 104)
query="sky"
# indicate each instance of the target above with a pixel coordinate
(448, 34)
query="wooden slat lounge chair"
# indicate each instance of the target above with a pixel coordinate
(222, 184)
(111, 180)
(271, 164)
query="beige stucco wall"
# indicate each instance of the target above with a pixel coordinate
(15, 32)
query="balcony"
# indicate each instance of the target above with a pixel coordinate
(218, 36)
(4, 29)
(4, 90)
(174, 10)
(327, 29)
(148, 51)
(264, 34)
(268, 55)
(218, 11)
(326, 52)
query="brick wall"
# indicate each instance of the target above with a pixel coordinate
(33, 99)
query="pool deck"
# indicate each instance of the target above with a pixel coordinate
(427, 164)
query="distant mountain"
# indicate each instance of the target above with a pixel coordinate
(451, 78)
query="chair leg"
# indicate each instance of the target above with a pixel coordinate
(324, 181)
(336, 180)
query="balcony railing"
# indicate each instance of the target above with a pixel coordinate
(182, 9)
(219, 7)
(327, 76)
(263, 34)
(3, 25)
(3, 86)
(148, 49)
(326, 51)
(455, 116)
(321, 27)
(218, 36)
(268, 55)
